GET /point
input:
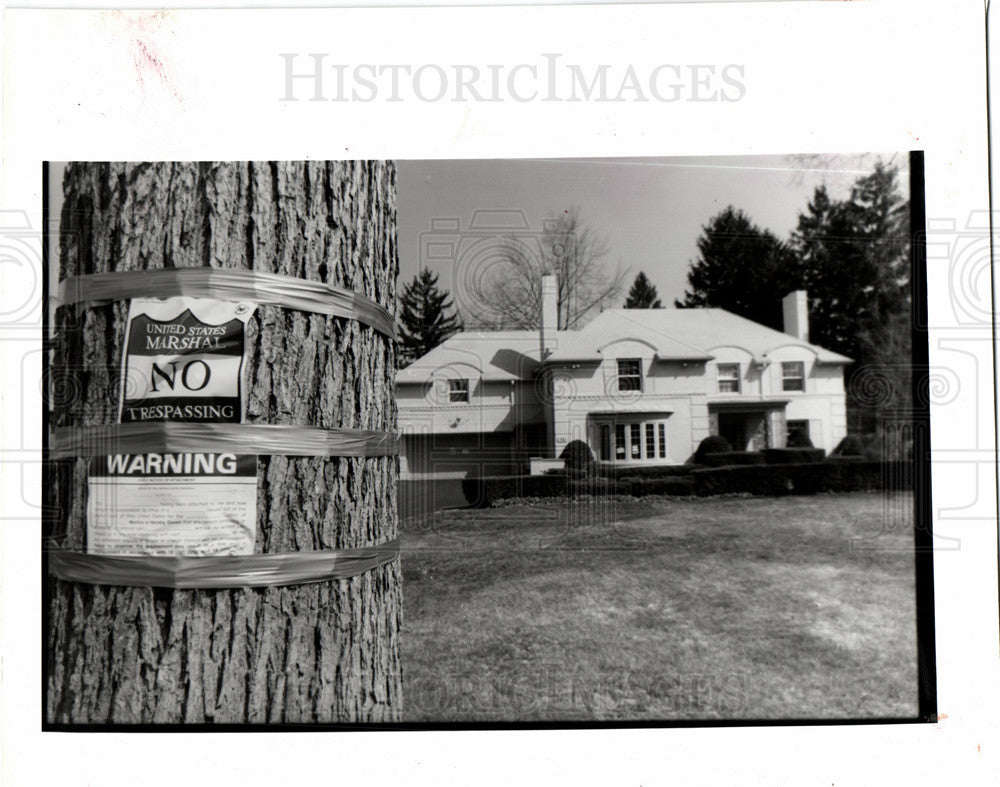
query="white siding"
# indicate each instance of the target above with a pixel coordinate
(571, 399)
(493, 406)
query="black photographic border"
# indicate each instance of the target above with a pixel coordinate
(923, 538)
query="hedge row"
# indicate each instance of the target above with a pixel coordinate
(782, 479)
(655, 471)
(805, 478)
(725, 458)
(637, 487)
(770, 456)
(791, 456)
(622, 472)
(484, 491)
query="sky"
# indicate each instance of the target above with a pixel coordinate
(650, 211)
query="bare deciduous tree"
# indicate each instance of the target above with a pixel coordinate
(510, 294)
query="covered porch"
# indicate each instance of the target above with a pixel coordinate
(749, 426)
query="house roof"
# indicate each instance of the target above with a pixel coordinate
(494, 355)
(678, 334)
(673, 334)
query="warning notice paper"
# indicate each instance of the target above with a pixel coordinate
(183, 362)
(172, 504)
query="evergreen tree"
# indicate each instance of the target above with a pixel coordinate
(643, 294)
(854, 261)
(427, 317)
(815, 246)
(741, 268)
(851, 255)
(853, 258)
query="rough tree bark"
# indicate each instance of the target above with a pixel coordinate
(322, 652)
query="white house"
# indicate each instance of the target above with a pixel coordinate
(638, 386)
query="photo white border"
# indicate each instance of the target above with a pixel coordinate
(820, 77)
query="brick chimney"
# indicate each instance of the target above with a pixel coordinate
(549, 316)
(795, 309)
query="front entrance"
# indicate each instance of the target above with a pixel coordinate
(733, 427)
(745, 430)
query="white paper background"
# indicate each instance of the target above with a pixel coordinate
(820, 77)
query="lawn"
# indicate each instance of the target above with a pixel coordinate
(662, 609)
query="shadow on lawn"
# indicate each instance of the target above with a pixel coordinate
(731, 609)
(420, 499)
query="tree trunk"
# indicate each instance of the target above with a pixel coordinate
(320, 652)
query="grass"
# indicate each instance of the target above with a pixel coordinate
(662, 609)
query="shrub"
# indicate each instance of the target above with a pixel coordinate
(757, 480)
(889, 445)
(849, 446)
(677, 485)
(483, 491)
(713, 444)
(805, 479)
(654, 471)
(783, 479)
(785, 456)
(798, 440)
(846, 459)
(634, 486)
(595, 486)
(724, 458)
(577, 455)
(586, 472)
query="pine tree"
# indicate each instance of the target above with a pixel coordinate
(854, 258)
(643, 294)
(817, 255)
(426, 315)
(741, 268)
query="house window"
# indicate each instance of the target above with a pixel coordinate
(605, 443)
(458, 390)
(633, 441)
(798, 433)
(729, 378)
(793, 376)
(629, 374)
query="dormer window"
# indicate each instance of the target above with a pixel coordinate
(458, 390)
(629, 374)
(729, 378)
(793, 376)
